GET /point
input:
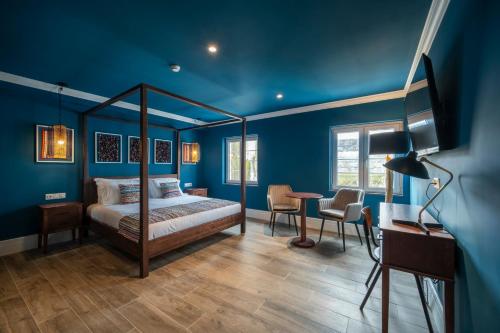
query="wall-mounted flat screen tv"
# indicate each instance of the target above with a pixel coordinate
(426, 119)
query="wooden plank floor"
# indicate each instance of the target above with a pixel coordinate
(226, 283)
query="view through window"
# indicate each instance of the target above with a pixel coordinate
(233, 149)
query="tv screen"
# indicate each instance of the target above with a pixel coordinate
(423, 111)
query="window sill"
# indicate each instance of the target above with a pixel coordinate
(238, 184)
(370, 192)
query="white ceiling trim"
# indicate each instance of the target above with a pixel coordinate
(53, 88)
(431, 27)
(331, 105)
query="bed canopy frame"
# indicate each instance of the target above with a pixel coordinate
(145, 249)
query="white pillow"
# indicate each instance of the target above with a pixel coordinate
(108, 191)
(154, 186)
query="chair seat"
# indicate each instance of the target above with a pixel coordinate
(285, 207)
(339, 214)
(376, 253)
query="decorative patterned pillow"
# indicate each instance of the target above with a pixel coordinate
(129, 193)
(169, 190)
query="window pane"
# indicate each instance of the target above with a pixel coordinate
(376, 170)
(348, 159)
(233, 160)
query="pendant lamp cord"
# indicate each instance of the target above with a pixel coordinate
(60, 105)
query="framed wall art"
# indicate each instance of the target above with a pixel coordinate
(163, 151)
(108, 148)
(50, 151)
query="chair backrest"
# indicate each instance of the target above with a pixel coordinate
(366, 212)
(277, 194)
(347, 196)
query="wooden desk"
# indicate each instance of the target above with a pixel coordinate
(408, 249)
(302, 240)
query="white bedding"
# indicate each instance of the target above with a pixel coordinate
(111, 214)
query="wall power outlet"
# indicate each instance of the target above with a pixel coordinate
(436, 183)
(54, 196)
(188, 184)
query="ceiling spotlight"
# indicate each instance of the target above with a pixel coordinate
(212, 48)
(279, 96)
(175, 68)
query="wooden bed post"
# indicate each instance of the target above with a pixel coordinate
(178, 139)
(85, 168)
(144, 176)
(243, 185)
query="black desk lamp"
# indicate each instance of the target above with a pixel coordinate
(411, 166)
(388, 143)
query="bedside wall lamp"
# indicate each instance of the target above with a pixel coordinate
(190, 153)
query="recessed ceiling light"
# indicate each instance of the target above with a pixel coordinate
(212, 48)
(279, 96)
(175, 68)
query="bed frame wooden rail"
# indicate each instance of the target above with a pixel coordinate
(145, 248)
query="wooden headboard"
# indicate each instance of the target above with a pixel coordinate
(90, 187)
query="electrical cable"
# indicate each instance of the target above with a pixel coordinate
(438, 212)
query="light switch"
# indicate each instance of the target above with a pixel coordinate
(55, 196)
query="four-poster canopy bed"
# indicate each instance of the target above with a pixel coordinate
(144, 247)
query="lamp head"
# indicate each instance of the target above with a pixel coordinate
(408, 165)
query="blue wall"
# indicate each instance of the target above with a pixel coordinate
(292, 150)
(26, 182)
(466, 56)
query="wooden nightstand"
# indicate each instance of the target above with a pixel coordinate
(59, 217)
(200, 191)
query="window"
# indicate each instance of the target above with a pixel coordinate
(233, 146)
(351, 166)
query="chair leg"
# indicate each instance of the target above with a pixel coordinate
(274, 223)
(359, 235)
(371, 274)
(338, 228)
(424, 306)
(321, 231)
(343, 236)
(271, 219)
(295, 221)
(368, 293)
(289, 221)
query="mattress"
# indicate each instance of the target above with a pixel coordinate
(112, 214)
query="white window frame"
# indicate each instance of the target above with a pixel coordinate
(363, 130)
(226, 159)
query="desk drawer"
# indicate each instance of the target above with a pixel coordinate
(429, 255)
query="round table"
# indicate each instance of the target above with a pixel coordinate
(302, 240)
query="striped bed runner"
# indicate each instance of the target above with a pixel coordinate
(129, 225)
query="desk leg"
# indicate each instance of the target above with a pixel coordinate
(449, 306)
(385, 299)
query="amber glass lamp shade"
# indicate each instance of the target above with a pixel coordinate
(191, 153)
(59, 142)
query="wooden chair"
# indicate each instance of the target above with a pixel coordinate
(279, 203)
(344, 207)
(375, 256)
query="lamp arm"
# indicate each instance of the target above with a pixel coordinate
(424, 159)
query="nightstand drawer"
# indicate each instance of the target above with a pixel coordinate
(62, 218)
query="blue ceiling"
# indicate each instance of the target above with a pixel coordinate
(311, 51)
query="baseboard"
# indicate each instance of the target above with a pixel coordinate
(312, 222)
(29, 242)
(435, 306)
